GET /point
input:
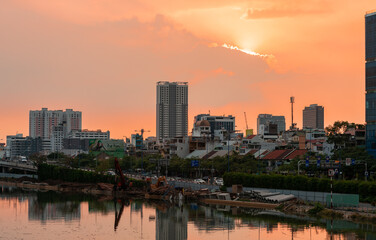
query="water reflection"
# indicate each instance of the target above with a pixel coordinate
(172, 223)
(45, 211)
(118, 214)
(136, 219)
(210, 219)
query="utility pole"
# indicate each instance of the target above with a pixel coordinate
(292, 100)
(228, 152)
(331, 192)
(130, 161)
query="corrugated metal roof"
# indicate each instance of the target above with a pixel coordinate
(196, 154)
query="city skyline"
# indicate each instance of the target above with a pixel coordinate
(92, 60)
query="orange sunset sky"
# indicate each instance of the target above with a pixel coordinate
(104, 57)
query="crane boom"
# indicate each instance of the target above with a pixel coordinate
(246, 123)
(124, 184)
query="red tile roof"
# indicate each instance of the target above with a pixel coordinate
(295, 153)
(252, 152)
(277, 154)
(264, 153)
(251, 136)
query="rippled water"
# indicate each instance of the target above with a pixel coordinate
(49, 215)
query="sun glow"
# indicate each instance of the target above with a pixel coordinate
(245, 51)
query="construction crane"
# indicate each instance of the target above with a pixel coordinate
(121, 182)
(142, 131)
(142, 146)
(246, 123)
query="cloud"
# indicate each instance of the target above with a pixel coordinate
(288, 8)
(104, 58)
(111, 68)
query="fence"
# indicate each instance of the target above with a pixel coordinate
(193, 186)
(342, 200)
(11, 175)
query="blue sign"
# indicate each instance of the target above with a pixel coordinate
(307, 163)
(194, 163)
(194, 206)
(352, 161)
(318, 163)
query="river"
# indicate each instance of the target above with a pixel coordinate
(26, 214)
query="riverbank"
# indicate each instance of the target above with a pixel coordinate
(295, 207)
(103, 189)
(301, 208)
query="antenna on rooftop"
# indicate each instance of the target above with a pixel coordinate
(292, 101)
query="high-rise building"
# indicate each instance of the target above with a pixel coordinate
(172, 109)
(41, 122)
(57, 137)
(217, 122)
(370, 21)
(264, 120)
(313, 117)
(87, 134)
(18, 146)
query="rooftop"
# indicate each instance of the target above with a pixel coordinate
(251, 136)
(276, 154)
(371, 12)
(296, 153)
(166, 83)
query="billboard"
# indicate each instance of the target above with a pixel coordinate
(112, 147)
(248, 132)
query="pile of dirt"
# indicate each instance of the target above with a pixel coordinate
(21, 179)
(160, 190)
(53, 182)
(105, 186)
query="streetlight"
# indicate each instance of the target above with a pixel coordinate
(228, 148)
(127, 152)
(258, 162)
(228, 152)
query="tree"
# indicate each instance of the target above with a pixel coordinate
(337, 133)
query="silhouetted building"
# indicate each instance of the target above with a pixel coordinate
(313, 117)
(88, 134)
(172, 109)
(216, 122)
(41, 122)
(264, 122)
(18, 146)
(370, 20)
(76, 143)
